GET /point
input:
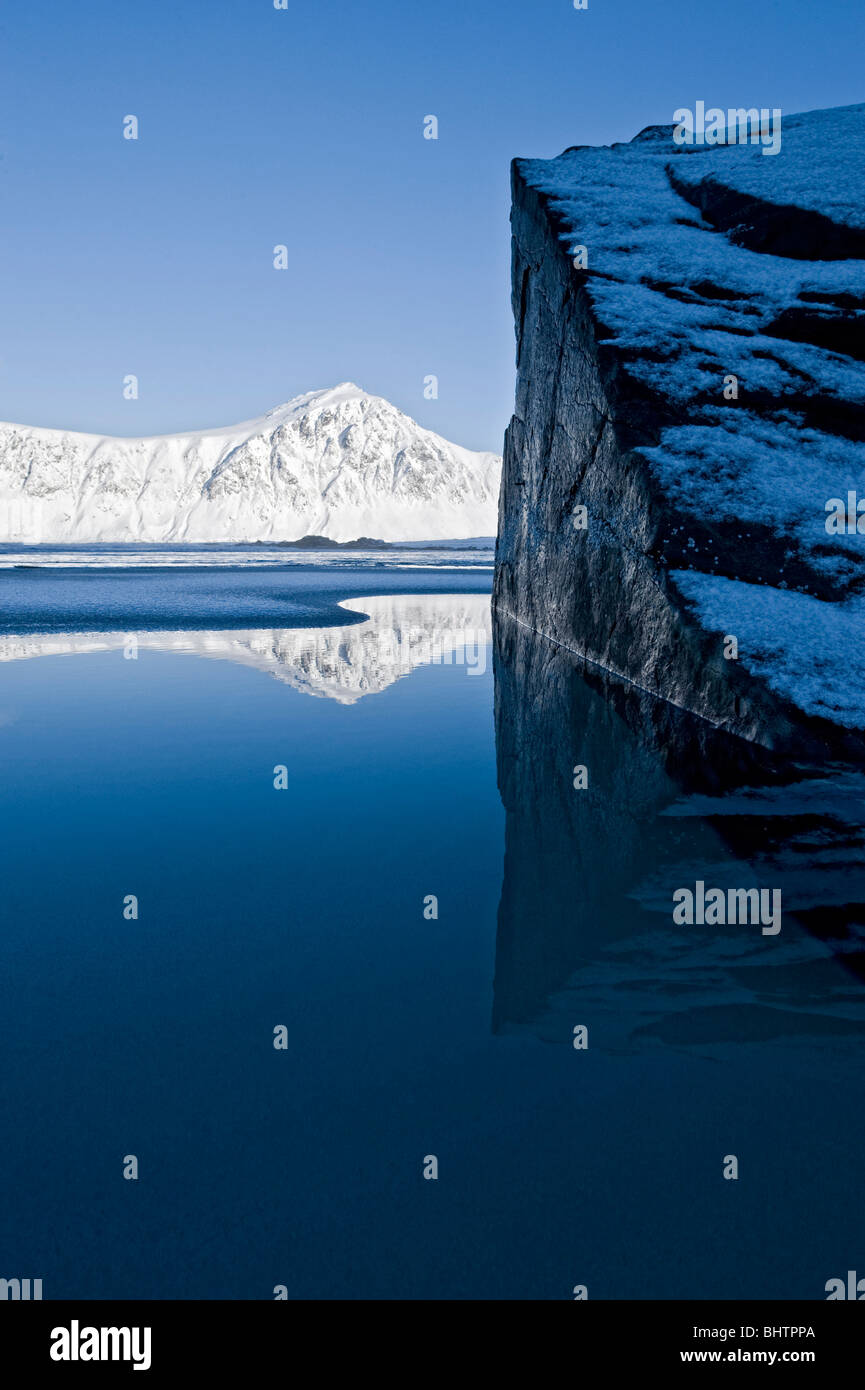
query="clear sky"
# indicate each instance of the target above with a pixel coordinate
(304, 127)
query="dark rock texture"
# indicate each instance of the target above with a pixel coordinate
(705, 498)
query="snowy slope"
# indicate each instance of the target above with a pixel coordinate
(338, 463)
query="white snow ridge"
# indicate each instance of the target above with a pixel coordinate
(338, 463)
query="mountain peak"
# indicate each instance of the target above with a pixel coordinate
(324, 399)
(337, 462)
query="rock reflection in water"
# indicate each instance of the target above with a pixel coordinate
(585, 927)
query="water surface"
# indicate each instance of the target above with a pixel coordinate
(417, 765)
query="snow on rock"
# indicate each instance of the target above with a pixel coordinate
(337, 463)
(809, 652)
(696, 380)
(797, 179)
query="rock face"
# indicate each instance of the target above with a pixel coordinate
(338, 463)
(685, 464)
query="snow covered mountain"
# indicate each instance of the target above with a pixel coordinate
(338, 463)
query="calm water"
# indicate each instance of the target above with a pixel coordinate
(409, 774)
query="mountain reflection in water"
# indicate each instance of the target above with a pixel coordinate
(337, 663)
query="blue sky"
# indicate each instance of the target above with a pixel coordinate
(304, 127)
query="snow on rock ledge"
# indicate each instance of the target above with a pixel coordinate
(338, 463)
(706, 512)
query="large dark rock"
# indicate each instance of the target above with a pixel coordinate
(706, 499)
